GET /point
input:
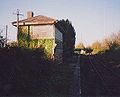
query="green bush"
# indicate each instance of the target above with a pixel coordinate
(46, 44)
(24, 40)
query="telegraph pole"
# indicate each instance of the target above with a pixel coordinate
(6, 33)
(17, 23)
(17, 14)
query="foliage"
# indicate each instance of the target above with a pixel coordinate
(12, 44)
(27, 72)
(96, 46)
(24, 71)
(68, 31)
(47, 44)
(24, 40)
(112, 43)
(109, 44)
(2, 41)
(23, 36)
(80, 46)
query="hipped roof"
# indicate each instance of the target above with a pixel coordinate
(37, 20)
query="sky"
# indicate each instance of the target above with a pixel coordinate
(92, 19)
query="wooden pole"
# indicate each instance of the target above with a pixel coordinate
(17, 25)
(17, 21)
(6, 33)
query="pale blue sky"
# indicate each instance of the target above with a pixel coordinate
(92, 19)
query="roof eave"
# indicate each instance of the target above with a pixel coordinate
(35, 23)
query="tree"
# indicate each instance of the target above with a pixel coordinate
(96, 46)
(112, 42)
(2, 41)
(68, 31)
(118, 38)
(80, 46)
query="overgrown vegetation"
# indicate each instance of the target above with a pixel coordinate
(80, 46)
(109, 48)
(110, 44)
(46, 44)
(28, 72)
(24, 71)
(25, 40)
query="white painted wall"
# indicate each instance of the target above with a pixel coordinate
(49, 32)
(59, 47)
(45, 32)
(42, 32)
(58, 35)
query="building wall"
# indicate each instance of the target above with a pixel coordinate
(58, 35)
(42, 32)
(46, 36)
(59, 45)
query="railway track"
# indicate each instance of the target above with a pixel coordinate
(111, 63)
(108, 80)
(105, 65)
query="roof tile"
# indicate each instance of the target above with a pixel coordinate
(36, 20)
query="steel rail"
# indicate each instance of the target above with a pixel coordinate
(99, 75)
(109, 69)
